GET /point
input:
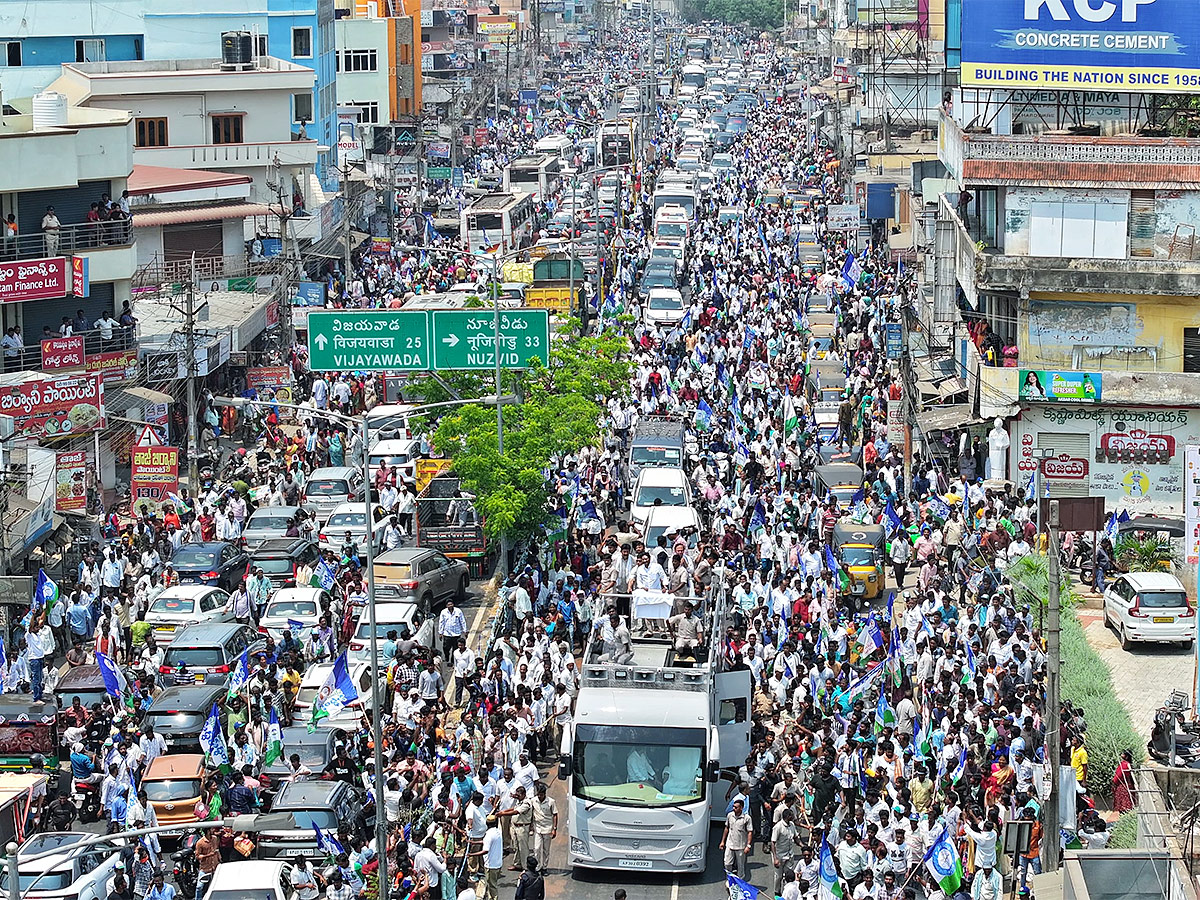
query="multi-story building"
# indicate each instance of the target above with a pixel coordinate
(40, 38)
(379, 62)
(196, 124)
(68, 159)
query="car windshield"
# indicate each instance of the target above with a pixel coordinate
(291, 606)
(305, 819)
(193, 656)
(175, 789)
(657, 531)
(1162, 599)
(642, 767)
(185, 558)
(666, 301)
(671, 230)
(381, 629)
(346, 521)
(270, 518)
(656, 456)
(274, 565)
(173, 605)
(326, 488)
(311, 754)
(168, 719)
(670, 496)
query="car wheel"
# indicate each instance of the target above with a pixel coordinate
(426, 604)
(463, 584)
(1108, 623)
(1126, 643)
(1187, 645)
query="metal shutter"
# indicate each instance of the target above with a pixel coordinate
(50, 312)
(71, 205)
(204, 239)
(1143, 219)
(1075, 446)
(1191, 349)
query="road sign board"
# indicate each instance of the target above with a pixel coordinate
(376, 340)
(895, 340)
(465, 339)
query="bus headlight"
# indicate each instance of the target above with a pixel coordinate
(579, 847)
(694, 852)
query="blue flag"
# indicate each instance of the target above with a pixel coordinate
(740, 890)
(938, 508)
(759, 517)
(831, 562)
(893, 518)
(46, 592)
(296, 627)
(328, 843)
(851, 271)
(324, 576)
(859, 496)
(240, 674)
(961, 768)
(114, 680)
(588, 511)
(212, 739)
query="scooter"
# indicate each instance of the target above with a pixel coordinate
(86, 797)
(1171, 746)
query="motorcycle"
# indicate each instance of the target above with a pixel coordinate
(86, 797)
(186, 870)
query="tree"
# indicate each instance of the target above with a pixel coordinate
(560, 413)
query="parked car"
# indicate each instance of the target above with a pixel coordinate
(329, 487)
(352, 518)
(315, 749)
(329, 805)
(205, 654)
(179, 712)
(216, 563)
(75, 874)
(1151, 607)
(350, 716)
(425, 577)
(183, 605)
(300, 604)
(172, 785)
(260, 879)
(280, 557)
(267, 522)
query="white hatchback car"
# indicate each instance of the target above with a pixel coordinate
(658, 487)
(186, 604)
(1151, 607)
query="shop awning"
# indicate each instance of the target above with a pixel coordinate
(206, 213)
(150, 395)
(943, 418)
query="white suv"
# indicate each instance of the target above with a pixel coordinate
(1149, 606)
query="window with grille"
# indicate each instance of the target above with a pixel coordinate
(12, 53)
(150, 132)
(302, 43)
(368, 113)
(359, 61)
(90, 50)
(227, 129)
(302, 107)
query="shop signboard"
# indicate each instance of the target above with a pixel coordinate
(1060, 387)
(55, 407)
(154, 476)
(62, 353)
(34, 279)
(70, 483)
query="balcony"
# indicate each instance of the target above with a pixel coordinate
(30, 356)
(230, 156)
(1062, 160)
(73, 240)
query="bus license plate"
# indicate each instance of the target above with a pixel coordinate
(1164, 618)
(635, 863)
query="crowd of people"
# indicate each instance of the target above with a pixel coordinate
(883, 732)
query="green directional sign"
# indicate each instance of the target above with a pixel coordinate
(375, 340)
(466, 339)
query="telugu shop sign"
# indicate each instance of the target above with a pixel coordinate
(35, 279)
(1121, 45)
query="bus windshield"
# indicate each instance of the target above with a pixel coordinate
(636, 766)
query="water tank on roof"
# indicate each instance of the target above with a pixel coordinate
(49, 110)
(237, 49)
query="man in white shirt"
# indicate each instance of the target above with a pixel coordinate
(465, 661)
(451, 625)
(39, 644)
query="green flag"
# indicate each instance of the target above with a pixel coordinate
(274, 740)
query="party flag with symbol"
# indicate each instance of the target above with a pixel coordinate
(212, 739)
(274, 739)
(115, 684)
(921, 745)
(323, 576)
(851, 271)
(296, 627)
(759, 517)
(892, 517)
(938, 508)
(943, 862)
(740, 890)
(240, 674)
(872, 638)
(337, 691)
(830, 887)
(790, 417)
(961, 768)
(327, 843)
(884, 714)
(46, 592)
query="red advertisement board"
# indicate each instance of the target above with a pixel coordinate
(73, 405)
(70, 483)
(62, 353)
(154, 476)
(34, 279)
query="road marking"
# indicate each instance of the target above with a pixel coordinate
(675, 888)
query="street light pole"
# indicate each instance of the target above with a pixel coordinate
(499, 407)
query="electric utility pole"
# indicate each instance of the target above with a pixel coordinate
(1053, 668)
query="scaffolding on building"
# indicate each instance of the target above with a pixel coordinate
(898, 65)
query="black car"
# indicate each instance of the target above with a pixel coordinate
(315, 749)
(207, 652)
(328, 805)
(179, 712)
(279, 558)
(657, 275)
(216, 563)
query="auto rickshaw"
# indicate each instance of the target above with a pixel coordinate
(860, 553)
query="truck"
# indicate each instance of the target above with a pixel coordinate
(551, 287)
(434, 531)
(648, 740)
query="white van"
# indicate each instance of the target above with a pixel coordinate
(658, 487)
(389, 421)
(555, 144)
